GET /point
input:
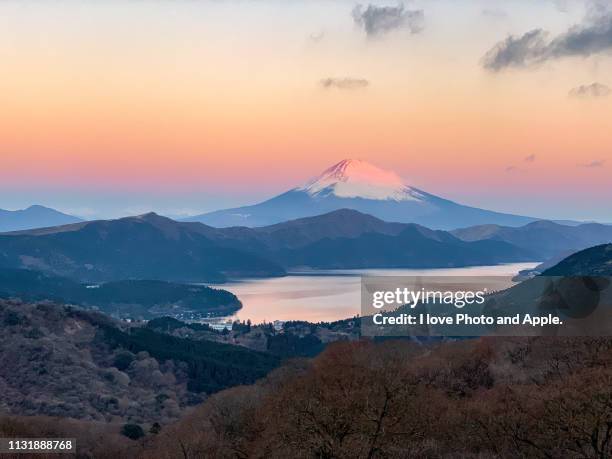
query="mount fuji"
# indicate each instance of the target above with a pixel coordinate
(359, 185)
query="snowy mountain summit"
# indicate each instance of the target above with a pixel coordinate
(359, 185)
(354, 178)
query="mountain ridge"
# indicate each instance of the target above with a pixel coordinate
(286, 244)
(361, 186)
(153, 247)
(35, 216)
(546, 238)
(594, 261)
(144, 247)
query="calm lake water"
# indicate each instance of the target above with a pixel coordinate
(332, 295)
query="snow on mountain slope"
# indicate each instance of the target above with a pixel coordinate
(353, 178)
(358, 185)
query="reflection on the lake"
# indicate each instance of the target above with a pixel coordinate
(331, 295)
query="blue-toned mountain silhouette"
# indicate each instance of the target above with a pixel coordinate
(358, 185)
(153, 247)
(545, 239)
(33, 217)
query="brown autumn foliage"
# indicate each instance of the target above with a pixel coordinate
(56, 363)
(516, 398)
(93, 439)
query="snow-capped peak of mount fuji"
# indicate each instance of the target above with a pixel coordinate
(359, 185)
(353, 178)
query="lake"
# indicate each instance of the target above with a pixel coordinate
(332, 295)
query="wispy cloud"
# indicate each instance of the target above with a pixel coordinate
(561, 5)
(590, 91)
(317, 37)
(515, 51)
(344, 83)
(530, 158)
(593, 36)
(495, 13)
(511, 169)
(594, 164)
(379, 20)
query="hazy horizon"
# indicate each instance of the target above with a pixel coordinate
(114, 108)
(105, 205)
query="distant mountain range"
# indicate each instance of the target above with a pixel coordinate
(33, 217)
(544, 239)
(346, 239)
(146, 247)
(358, 185)
(154, 247)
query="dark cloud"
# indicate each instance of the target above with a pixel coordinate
(593, 164)
(596, 9)
(584, 40)
(516, 51)
(590, 91)
(378, 20)
(344, 83)
(511, 169)
(535, 46)
(530, 158)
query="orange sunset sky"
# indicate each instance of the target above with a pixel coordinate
(118, 107)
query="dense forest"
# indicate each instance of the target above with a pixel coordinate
(541, 397)
(211, 366)
(74, 363)
(136, 299)
(515, 397)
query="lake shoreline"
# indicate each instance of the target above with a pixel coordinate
(329, 295)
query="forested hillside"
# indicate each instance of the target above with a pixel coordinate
(63, 361)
